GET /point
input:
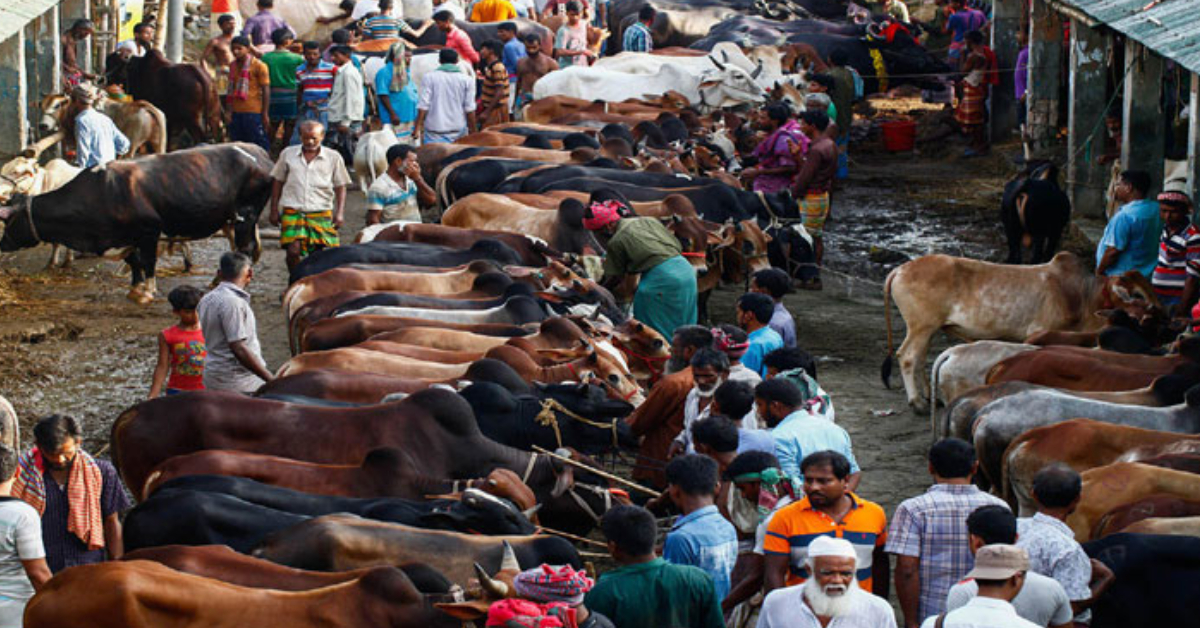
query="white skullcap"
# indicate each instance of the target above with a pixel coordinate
(831, 546)
(127, 45)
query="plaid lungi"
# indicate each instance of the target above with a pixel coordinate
(972, 108)
(313, 230)
(814, 209)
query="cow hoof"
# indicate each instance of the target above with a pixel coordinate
(919, 407)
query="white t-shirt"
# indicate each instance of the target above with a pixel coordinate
(20, 539)
(982, 612)
(1041, 600)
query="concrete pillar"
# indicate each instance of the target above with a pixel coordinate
(1143, 128)
(1086, 179)
(174, 31)
(49, 62)
(1045, 63)
(1006, 21)
(14, 126)
(35, 84)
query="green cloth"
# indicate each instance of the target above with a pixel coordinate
(449, 67)
(639, 245)
(281, 65)
(842, 96)
(657, 594)
(666, 296)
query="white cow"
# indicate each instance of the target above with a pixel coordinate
(370, 156)
(764, 63)
(10, 428)
(24, 175)
(963, 367)
(709, 90)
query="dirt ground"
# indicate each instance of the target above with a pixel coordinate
(71, 343)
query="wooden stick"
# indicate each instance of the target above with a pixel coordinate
(568, 535)
(608, 476)
(592, 555)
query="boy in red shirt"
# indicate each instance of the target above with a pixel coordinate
(181, 349)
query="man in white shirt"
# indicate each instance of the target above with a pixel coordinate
(830, 598)
(999, 573)
(346, 102)
(23, 567)
(310, 187)
(709, 369)
(234, 361)
(446, 105)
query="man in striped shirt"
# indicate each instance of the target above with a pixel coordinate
(637, 36)
(314, 84)
(385, 25)
(1175, 277)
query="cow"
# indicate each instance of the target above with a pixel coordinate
(143, 124)
(533, 252)
(24, 175)
(183, 92)
(562, 229)
(220, 562)
(10, 426)
(1177, 525)
(1076, 368)
(1146, 516)
(712, 89)
(186, 194)
(579, 416)
(978, 300)
(1120, 483)
(332, 333)
(435, 427)
(413, 253)
(1034, 211)
(340, 542)
(370, 156)
(964, 367)
(713, 200)
(1155, 580)
(551, 107)
(143, 594)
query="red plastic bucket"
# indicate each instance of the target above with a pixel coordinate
(899, 136)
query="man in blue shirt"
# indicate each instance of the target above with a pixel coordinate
(701, 537)
(97, 140)
(775, 283)
(514, 49)
(637, 36)
(1130, 240)
(799, 432)
(754, 312)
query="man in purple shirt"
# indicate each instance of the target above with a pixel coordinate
(963, 21)
(260, 27)
(1021, 75)
(776, 165)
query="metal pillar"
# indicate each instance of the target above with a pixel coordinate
(1085, 120)
(1143, 127)
(1006, 21)
(1193, 160)
(174, 28)
(1045, 62)
(14, 126)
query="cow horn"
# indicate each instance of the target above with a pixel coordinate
(757, 71)
(530, 512)
(509, 562)
(491, 587)
(716, 63)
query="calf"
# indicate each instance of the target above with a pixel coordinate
(1034, 211)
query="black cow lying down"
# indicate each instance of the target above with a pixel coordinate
(127, 205)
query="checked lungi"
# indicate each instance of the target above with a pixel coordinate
(814, 209)
(972, 108)
(313, 230)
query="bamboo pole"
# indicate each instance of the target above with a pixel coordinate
(604, 474)
(568, 535)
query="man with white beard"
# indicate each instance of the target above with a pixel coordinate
(709, 370)
(830, 598)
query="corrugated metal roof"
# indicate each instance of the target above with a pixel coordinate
(1169, 28)
(15, 14)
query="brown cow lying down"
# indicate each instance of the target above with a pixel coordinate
(1177, 526)
(670, 205)
(1161, 507)
(1112, 486)
(1077, 368)
(978, 300)
(220, 562)
(144, 594)
(562, 228)
(533, 253)
(344, 331)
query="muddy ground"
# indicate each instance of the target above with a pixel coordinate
(71, 343)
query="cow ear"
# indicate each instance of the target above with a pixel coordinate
(465, 611)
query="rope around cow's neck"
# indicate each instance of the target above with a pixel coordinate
(548, 417)
(32, 228)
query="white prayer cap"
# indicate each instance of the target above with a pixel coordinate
(127, 45)
(831, 546)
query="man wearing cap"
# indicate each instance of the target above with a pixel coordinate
(1178, 251)
(666, 294)
(830, 598)
(97, 140)
(564, 585)
(759, 489)
(999, 573)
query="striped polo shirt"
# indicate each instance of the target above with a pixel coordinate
(315, 83)
(795, 526)
(1178, 258)
(383, 27)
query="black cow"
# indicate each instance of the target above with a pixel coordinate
(187, 194)
(713, 200)
(193, 518)
(1036, 210)
(682, 22)
(484, 175)
(524, 420)
(1157, 580)
(411, 253)
(184, 92)
(792, 252)
(481, 32)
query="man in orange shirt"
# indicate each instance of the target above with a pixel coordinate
(249, 96)
(828, 509)
(493, 11)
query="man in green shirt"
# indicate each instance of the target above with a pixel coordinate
(281, 65)
(647, 591)
(666, 293)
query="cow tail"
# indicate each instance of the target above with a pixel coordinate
(933, 394)
(160, 119)
(885, 371)
(1006, 491)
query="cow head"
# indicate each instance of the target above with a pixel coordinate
(592, 422)
(749, 252)
(693, 240)
(1133, 293)
(480, 512)
(53, 107)
(17, 231)
(728, 86)
(599, 369)
(485, 589)
(19, 176)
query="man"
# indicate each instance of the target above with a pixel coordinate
(700, 537)
(493, 100)
(812, 186)
(534, 66)
(1131, 237)
(776, 152)
(788, 359)
(971, 114)
(249, 96)
(219, 50)
(710, 367)
(897, 10)
(961, 21)
(79, 498)
(638, 37)
(735, 400)
(446, 105)
(281, 69)
(346, 103)
(647, 591)
(1178, 266)
(754, 312)
(842, 95)
(385, 25)
(830, 597)
(395, 195)
(722, 439)
(24, 565)
(546, 584)
(493, 11)
(456, 39)
(660, 417)
(571, 40)
(758, 489)
(829, 508)
(734, 342)
(234, 360)
(259, 27)
(1041, 600)
(514, 50)
(928, 533)
(776, 283)
(666, 295)
(1053, 550)
(999, 573)
(310, 184)
(143, 38)
(97, 139)
(314, 84)
(798, 432)
(72, 73)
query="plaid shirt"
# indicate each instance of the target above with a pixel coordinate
(933, 527)
(637, 39)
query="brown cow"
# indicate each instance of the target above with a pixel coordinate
(496, 138)
(184, 93)
(532, 252)
(1077, 368)
(1178, 526)
(332, 333)
(978, 300)
(1158, 506)
(1111, 486)
(220, 562)
(145, 594)
(562, 229)
(550, 107)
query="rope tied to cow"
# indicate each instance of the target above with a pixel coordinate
(548, 417)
